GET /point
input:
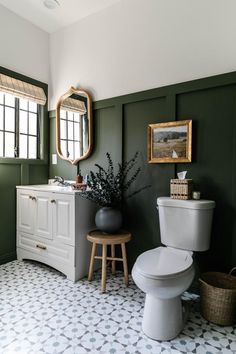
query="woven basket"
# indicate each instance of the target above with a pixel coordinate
(218, 297)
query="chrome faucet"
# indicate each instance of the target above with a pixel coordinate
(61, 181)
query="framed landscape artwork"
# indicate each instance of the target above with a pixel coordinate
(170, 142)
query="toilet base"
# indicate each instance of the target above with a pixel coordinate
(163, 319)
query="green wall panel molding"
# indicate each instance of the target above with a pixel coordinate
(213, 167)
(141, 215)
(120, 127)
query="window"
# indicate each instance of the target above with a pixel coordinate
(20, 114)
(19, 133)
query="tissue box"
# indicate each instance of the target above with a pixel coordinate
(181, 188)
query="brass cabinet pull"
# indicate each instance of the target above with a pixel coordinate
(41, 247)
(32, 198)
(53, 201)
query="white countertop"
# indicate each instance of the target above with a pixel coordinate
(50, 188)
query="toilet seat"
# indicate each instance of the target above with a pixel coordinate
(164, 262)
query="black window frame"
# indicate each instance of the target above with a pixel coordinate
(17, 132)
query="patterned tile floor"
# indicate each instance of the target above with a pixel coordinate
(43, 312)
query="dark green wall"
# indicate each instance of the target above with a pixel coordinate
(120, 127)
(15, 172)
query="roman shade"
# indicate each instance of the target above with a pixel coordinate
(22, 89)
(73, 105)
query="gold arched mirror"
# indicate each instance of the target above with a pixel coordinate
(74, 125)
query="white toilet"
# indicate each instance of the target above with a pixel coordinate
(164, 273)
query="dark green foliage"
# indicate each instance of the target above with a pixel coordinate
(108, 188)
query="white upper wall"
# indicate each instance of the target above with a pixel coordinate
(136, 45)
(24, 47)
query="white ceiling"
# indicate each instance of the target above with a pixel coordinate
(68, 12)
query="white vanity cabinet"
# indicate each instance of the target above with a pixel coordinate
(52, 225)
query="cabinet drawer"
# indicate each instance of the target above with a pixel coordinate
(47, 249)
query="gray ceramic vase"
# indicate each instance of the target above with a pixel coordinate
(108, 219)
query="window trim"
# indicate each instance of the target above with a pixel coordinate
(43, 125)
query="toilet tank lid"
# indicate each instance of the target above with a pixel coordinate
(187, 204)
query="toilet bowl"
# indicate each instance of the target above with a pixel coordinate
(165, 272)
(173, 273)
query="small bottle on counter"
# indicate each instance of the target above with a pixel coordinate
(79, 179)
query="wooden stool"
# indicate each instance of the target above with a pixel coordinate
(98, 237)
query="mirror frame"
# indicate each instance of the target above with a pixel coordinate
(70, 92)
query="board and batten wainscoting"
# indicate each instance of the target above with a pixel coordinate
(120, 127)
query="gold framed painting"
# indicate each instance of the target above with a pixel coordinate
(170, 142)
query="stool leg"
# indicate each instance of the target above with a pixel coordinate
(104, 267)
(126, 274)
(90, 275)
(113, 263)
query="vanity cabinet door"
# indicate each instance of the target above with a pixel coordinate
(43, 214)
(63, 210)
(25, 211)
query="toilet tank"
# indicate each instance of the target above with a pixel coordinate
(185, 224)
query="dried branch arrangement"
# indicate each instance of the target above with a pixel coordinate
(107, 187)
